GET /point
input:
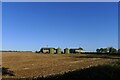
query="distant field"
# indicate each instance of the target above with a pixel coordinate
(28, 64)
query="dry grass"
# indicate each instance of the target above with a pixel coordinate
(28, 64)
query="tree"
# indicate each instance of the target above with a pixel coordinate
(112, 50)
(101, 50)
(80, 48)
(119, 51)
(105, 50)
(98, 50)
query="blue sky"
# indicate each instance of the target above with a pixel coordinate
(0, 26)
(30, 26)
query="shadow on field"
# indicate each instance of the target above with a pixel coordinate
(101, 72)
(0, 71)
(106, 57)
(7, 71)
(98, 56)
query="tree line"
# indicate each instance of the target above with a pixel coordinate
(107, 50)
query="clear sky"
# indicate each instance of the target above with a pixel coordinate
(30, 26)
(119, 26)
(0, 26)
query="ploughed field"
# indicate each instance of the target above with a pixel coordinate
(29, 64)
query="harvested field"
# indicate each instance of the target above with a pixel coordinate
(28, 64)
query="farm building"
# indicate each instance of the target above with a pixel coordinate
(59, 51)
(47, 50)
(66, 51)
(76, 50)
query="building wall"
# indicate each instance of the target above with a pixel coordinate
(75, 50)
(45, 51)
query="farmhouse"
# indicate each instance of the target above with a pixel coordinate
(47, 50)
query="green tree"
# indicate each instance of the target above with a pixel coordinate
(112, 50)
(98, 50)
(101, 50)
(118, 51)
(105, 50)
(81, 48)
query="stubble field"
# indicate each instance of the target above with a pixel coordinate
(29, 64)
